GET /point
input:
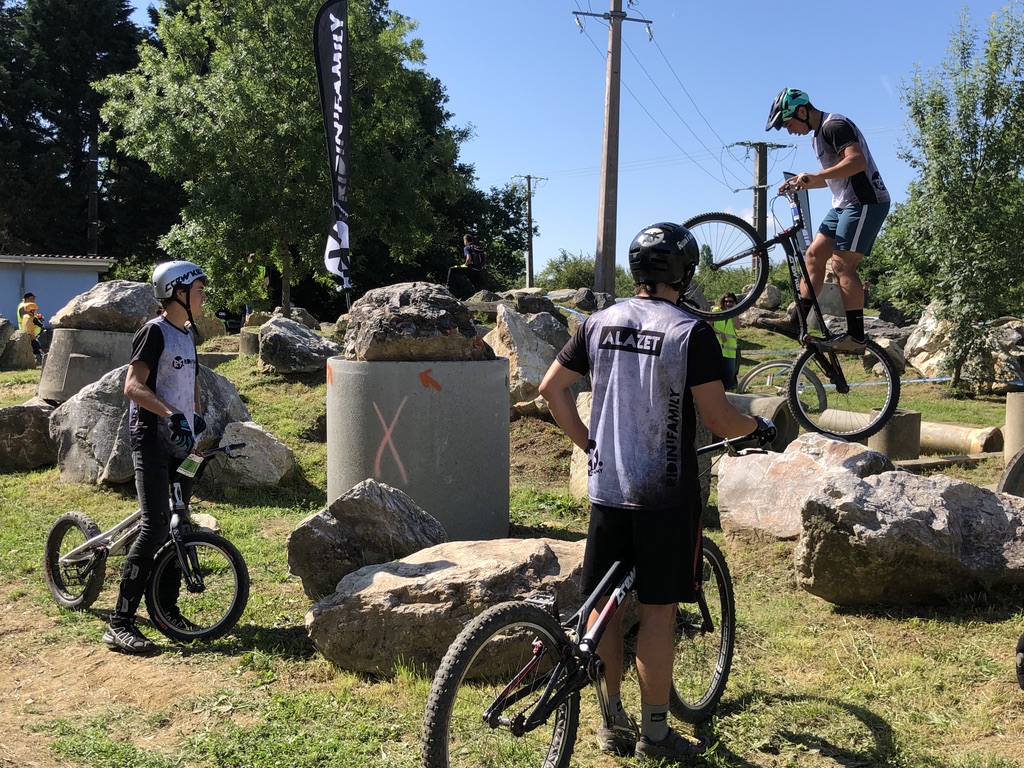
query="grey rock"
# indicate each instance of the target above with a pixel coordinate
(287, 346)
(17, 355)
(370, 524)
(115, 305)
(25, 441)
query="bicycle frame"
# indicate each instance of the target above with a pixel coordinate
(581, 659)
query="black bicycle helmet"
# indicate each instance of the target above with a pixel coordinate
(784, 107)
(663, 253)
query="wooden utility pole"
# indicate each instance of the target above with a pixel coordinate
(604, 256)
(529, 227)
(761, 149)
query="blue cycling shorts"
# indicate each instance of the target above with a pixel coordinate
(854, 228)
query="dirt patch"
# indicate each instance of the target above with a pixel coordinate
(539, 454)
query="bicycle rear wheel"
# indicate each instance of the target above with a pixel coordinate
(772, 378)
(704, 650)
(205, 612)
(862, 391)
(513, 648)
(76, 582)
(733, 258)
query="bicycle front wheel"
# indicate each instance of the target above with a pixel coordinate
(703, 657)
(490, 680)
(75, 582)
(733, 259)
(772, 378)
(211, 606)
(862, 391)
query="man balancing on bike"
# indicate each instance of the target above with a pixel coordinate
(650, 363)
(162, 384)
(860, 203)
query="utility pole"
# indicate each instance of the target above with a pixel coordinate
(604, 256)
(529, 227)
(761, 149)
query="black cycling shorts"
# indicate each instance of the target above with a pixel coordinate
(664, 544)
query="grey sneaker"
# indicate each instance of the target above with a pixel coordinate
(673, 747)
(128, 639)
(845, 343)
(618, 739)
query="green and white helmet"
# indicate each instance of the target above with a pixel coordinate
(784, 107)
(171, 274)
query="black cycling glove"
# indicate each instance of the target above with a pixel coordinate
(765, 432)
(181, 432)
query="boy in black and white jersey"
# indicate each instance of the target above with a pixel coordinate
(164, 417)
(650, 363)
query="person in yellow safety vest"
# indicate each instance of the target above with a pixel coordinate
(725, 330)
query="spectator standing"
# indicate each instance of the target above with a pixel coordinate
(729, 341)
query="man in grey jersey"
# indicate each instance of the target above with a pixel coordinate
(650, 363)
(860, 203)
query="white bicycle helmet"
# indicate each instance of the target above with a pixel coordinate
(171, 274)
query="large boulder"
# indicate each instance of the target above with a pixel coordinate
(267, 461)
(412, 321)
(898, 538)
(17, 354)
(370, 524)
(762, 495)
(288, 346)
(114, 305)
(91, 429)
(529, 354)
(25, 441)
(410, 610)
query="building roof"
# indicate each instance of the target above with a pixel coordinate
(56, 258)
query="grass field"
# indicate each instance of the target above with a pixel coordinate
(812, 684)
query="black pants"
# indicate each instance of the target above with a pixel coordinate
(155, 470)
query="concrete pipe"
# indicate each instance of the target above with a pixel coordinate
(439, 431)
(249, 342)
(936, 438)
(1013, 432)
(900, 438)
(80, 357)
(769, 407)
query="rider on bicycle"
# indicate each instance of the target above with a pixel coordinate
(162, 384)
(860, 203)
(650, 363)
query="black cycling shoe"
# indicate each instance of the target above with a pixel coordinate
(128, 639)
(174, 617)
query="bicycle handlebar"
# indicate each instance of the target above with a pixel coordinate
(757, 439)
(230, 450)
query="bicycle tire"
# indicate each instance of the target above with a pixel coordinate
(183, 615)
(859, 405)
(73, 585)
(481, 661)
(772, 378)
(733, 258)
(703, 657)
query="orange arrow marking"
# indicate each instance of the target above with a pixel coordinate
(330, 375)
(427, 381)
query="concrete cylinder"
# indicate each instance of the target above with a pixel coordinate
(769, 407)
(249, 342)
(956, 439)
(900, 438)
(1013, 432)
(439, 431)
(79, 357)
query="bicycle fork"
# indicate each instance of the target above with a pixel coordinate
(188, 559)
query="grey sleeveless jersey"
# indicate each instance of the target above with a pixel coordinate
(638, 357)
(835, 134)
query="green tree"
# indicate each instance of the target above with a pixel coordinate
(959, 236)
(226, 100)
(568, 270)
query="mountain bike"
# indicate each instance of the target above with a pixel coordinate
(862, 389)
(211, 569)
(772, 378)
(507, 692)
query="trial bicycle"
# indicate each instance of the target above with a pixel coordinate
(861, 389)
(209, 567)
(507, 692)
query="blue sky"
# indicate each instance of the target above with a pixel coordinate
(531, 85)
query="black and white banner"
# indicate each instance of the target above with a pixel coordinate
(330, 46)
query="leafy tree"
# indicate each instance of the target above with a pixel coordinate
(959, 236)
(568, 270)
(226, 100)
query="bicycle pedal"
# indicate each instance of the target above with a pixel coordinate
(542, 600)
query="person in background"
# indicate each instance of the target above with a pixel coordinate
(860, 203)
(32, 323)
(652, 365)
(164, 417)
(729, 341)
(27, 298)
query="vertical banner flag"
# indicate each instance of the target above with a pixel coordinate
(330, 46)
